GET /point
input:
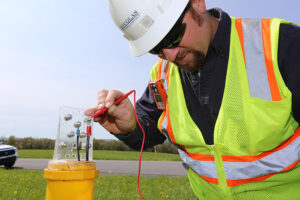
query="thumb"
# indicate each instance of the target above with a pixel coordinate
(91, 111)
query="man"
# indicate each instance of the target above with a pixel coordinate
(233, 91)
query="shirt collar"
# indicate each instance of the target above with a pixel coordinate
(222, 35)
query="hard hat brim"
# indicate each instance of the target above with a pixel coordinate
(159, 29)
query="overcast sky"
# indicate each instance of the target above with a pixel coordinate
(61, 52)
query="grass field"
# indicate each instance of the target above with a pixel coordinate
(17, 184)
(105, 155)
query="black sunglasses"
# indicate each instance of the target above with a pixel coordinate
(173, 38)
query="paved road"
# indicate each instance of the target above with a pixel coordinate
(107, 167)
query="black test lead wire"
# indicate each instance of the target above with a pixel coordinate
(88, 134)
(88, 121)
(78, 146)
(77, 126)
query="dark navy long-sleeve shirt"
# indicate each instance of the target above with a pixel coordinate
(204, 91)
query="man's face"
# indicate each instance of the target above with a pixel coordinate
(189, 59)
(191, 52)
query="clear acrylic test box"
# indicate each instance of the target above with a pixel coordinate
(71, 119)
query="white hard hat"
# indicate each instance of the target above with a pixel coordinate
(145, 22)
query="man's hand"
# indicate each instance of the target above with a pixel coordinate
(119, 119)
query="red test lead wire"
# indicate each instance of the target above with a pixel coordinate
(88, 135)
(88, 130)
(104, 109)
(142, 147)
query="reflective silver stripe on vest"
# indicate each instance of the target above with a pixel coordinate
(273, 163)
(163, 67)
(164, 74)
(164, 128)
(203, 168)
(255, 59)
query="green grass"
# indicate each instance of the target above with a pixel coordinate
(17, 184)
(33, 153)
(105, 155)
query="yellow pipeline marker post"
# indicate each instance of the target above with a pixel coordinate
(70, 180)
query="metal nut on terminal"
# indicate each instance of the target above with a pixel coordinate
(68, 117)
(82, 135)
(63, 145)
(88, 120)
(77, 124)
(89, 146)
(71, 134)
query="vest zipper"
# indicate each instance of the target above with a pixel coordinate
(215, 154)
(212, 152)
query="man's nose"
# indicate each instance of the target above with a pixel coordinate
(171, 53)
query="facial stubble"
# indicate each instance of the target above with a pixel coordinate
(198, 57)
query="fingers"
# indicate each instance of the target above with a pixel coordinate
(100, 119)
(118, 119)
(102, 95)
(111, 97)
(90, 111)
(102, 98)
(113, 109)
(105, 99)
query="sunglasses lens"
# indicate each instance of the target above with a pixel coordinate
(155, 51)
(173, 38)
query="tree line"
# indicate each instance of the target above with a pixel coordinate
(116, 145)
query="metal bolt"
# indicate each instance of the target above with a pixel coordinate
(89, 146)
(68, 117)
(63, 145)
(71, 134)
(88, 121)
(77, 124)
(82, 135)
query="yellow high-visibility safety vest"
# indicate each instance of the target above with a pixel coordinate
(256, 150)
